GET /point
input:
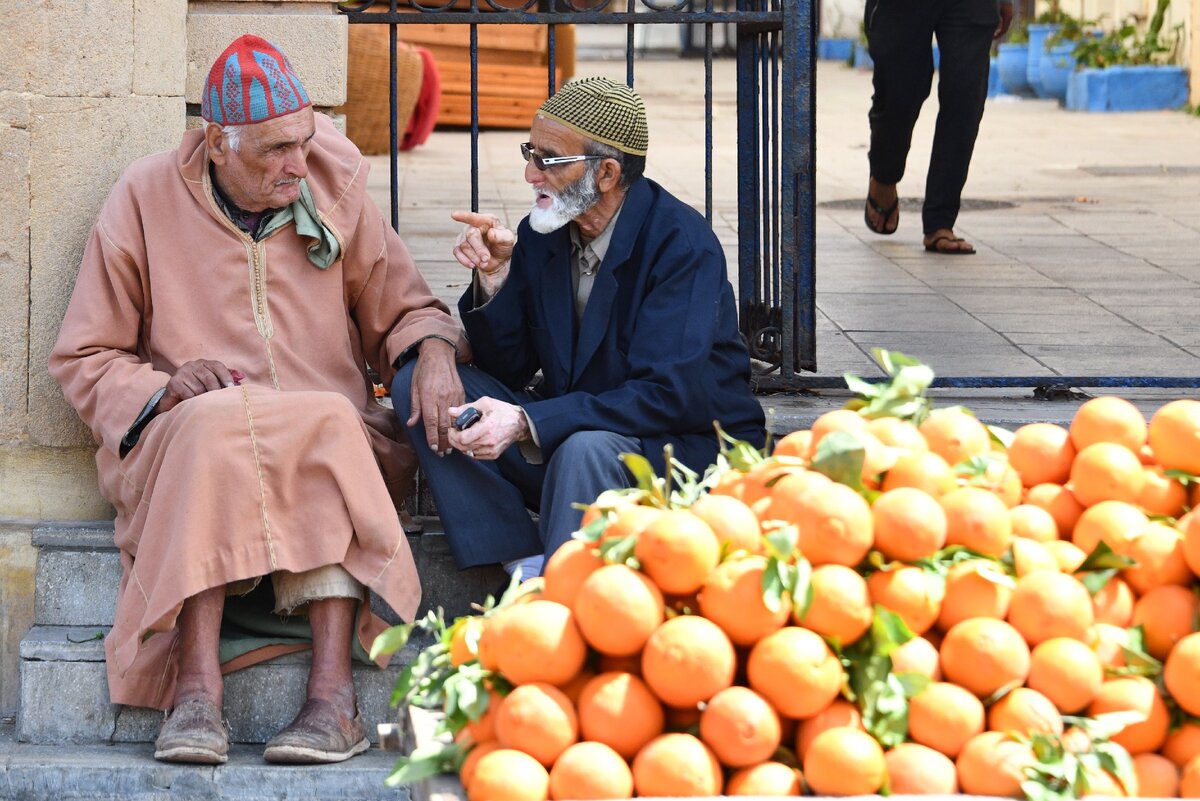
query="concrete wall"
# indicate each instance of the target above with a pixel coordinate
(86, 87)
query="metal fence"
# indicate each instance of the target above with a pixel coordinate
(776, 119)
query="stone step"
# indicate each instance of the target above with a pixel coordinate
(129, 773)
(79, 569)
(64, 693)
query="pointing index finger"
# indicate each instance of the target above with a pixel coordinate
(482, 221)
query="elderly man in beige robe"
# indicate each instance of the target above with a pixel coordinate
(231, 296)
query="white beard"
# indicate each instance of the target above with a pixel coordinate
(565, 205)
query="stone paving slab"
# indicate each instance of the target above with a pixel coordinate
(128, 773)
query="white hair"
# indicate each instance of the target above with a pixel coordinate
(233, 136)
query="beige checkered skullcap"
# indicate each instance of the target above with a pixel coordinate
(603, 110)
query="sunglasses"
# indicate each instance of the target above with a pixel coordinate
(528, 153)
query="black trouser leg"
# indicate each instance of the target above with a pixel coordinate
(964, 35)
(899, 35)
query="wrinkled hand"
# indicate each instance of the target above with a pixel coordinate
(436, 388)
(195, 378)
(485, 246)
(1006, 15)
(502, 424)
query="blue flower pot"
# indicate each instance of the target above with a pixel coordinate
(1012, 65)
(1057, 64)
(1037, 45)
(1142, 88)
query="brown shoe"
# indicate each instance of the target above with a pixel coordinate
(320, 733)
(193, 732)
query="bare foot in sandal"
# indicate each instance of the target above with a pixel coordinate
(882, 210)
(944, 241)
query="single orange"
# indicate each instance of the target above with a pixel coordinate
(1114, 603)
(732, 597)
(797, 444)
(590, 771)
(1175, 435)
(1030, 556)
(464, 642)
(1033, 523)
(1108, 419)
(976, 588)
(1181, 673)
(1114, 522)
(919, 656)
(836, 420)
(740, 727)
(1067, 672)
(911, 592)
(983, 655)
(1046, 605)
(994, 764)
(466, 772)
(1157, 776)
(1042, 454)
(1161, 495)
(677, 550)
(676, 766)
(795, 671)
(688, 660)
(909, 524)
(1158, 551)
(841, 608)
(1166, 614)
(835, 526)
(509, 775)
(923, 470)
(1068, 555)
(617, 608)
(1134, 694)
(764, 779)
(1106, 471)
(538, 719)
(841, 713)
(1189, 779)
(897, 433)
(1025, 712)
(955, 435)
(915, 769)
(566, 569)
(944, 717)
(844, 762)
(539, 642)
(1183, 743)
(619, 710)
(735, 524)
(1060, 502)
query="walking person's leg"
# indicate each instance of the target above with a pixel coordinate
(899, 36)
(964, 35)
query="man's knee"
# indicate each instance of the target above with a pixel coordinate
(594, 450)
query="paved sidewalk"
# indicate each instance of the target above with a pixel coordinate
(1093, 270)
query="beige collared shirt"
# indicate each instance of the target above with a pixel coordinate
(586, 260)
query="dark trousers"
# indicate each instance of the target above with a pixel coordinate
(483, 504)
(899, 34)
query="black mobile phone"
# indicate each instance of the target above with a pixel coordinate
(467, 418)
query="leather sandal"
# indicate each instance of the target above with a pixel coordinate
(319, 734)
(885, 213)
(935, 246)
(194, 732)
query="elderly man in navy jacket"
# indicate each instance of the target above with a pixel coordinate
(605, 325)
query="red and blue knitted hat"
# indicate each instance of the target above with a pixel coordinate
(252, 81)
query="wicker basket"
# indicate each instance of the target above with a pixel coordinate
(367, 91)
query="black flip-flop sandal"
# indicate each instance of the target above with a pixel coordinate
(885, 213)
(932, 247)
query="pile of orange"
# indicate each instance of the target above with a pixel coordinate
(674, 677)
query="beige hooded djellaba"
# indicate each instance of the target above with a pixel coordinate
(294, 469)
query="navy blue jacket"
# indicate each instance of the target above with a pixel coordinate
(657, 354)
